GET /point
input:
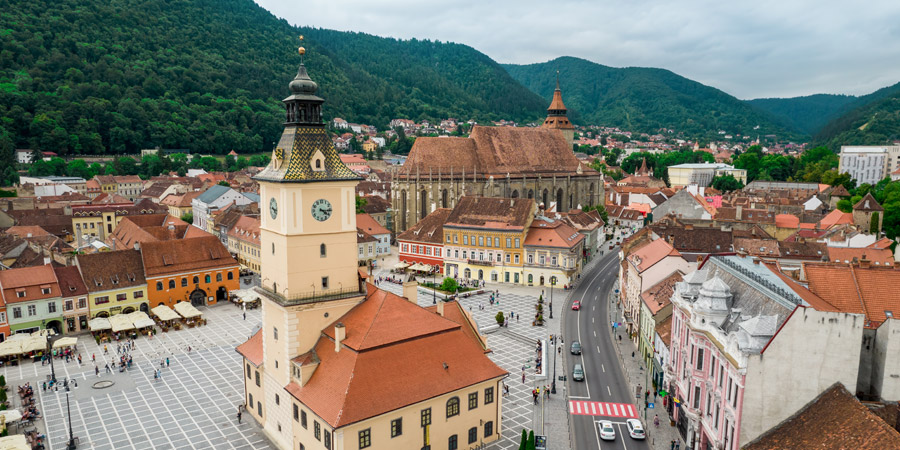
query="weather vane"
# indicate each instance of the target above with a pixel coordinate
(301, 50)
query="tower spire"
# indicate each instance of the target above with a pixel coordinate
(557, 115)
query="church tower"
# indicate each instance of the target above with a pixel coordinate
(307, 243)
(557, 116)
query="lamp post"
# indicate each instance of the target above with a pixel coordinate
(50, 354)
(552, 283)
(433, 288)
(71, 445)
(555, 343)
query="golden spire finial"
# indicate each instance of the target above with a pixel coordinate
(301, 50)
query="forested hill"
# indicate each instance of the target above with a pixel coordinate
(872, 120)
(645, 99)
(806, 114)
(94, 76)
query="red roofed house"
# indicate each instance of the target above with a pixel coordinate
(199, 270)
(76, 312)
(553, 253)
(423, 243)
(382, 235)
(31, 296)
(647, 266)
(339, 364)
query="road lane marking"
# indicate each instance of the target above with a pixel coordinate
(602, 366)
(608, 391)
(598, 351)
(592, 320)
(595, 333)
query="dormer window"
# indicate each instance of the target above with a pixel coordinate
(317, 162)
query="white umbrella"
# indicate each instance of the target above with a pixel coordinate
(65, 342)
(11, 415)
(140, 319)
(401, 265)
(14, 442)
(11, 347)
(187, 310)
(165, 313)
(99, 324)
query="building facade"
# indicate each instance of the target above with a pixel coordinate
(199, 270)
(76, 312)
(484, 239)
(243, 241)
(424, 242)
(115, 282)
(554, 253)
(33, 300)
(869, 164)
(702, 174)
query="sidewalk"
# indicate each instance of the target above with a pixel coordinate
(637, 375)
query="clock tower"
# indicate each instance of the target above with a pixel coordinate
(310, 275)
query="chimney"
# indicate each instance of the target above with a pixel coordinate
(137, 245)
(440, 308)
(739, 213)
(410, 289)
(864, 263)
(339, 334)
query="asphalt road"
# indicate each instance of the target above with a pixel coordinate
(604, 378)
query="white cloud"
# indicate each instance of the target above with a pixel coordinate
(767, 48)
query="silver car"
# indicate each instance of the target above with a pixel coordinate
(578, 373)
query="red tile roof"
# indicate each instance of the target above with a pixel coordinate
(833, 420)
(111, 270)
(29, 280)
(787, 221)
(389, 338)
(646, 256)
(871, 291)
(878, 257)
(491, 213)
(70, 282)
(429, 230)
(659, 295)
(664, 330)
(185, 255)
(368, 224)
(836, 217)
(252, 350)
(553, 233)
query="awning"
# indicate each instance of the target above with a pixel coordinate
(99, 324)
(11, 415)
(44, 332)
(14, 442)
(163, 312)
(34, 344)
(401, 265)
(120, 322)
(187, 310)
(140, 319)
(65, 342)
(11, 347)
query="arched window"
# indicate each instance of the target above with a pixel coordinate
(230, 275)
(423, 202)
(218, 277)
(322, 250)
(530, 278)
(159, 285)
(196, 279)
(453, 407)
(318, 164)
(207, 278)
(544, 199)
(530, 193)
(183, 282)
(559, 200)
(515, 194)
(171, 284)
(444, 199)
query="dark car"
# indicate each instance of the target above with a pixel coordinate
(578, 373)
(576, 348)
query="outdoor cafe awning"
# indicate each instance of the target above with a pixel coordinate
(140, 319)
(11, 347)
(34, 344)
(14, 442)
(187, 310)
(65, 342)
(121, 322)
(401, 265)
(99, 324)
(11, 415)
(165, 313)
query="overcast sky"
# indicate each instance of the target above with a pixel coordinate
(750, 49)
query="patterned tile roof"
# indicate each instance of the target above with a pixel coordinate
(293, 156)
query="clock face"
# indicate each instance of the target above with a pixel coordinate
(273, 208)
(321, 210)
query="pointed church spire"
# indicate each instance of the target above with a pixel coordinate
(557, 115)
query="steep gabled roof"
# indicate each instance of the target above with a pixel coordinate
(111, 270)
(491, 212)
(867, 204)
(368, 224)
(428, 230)
(183, 255)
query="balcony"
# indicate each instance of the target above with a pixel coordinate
(309, 297)
(481, 262)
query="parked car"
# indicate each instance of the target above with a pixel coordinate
(607, 432)
(576, 305)
(578, 373)
(635, 429)
(576, 348)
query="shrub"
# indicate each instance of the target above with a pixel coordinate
(500, 318)
(2, 380)
(449, 285)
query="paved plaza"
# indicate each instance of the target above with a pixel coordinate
(193, 405)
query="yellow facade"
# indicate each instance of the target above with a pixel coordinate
(484, 254)
(179, 211)
(115, 301)
(543, 265)
(247, 252)
(99, 226)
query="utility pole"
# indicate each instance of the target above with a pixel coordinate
(555, 344)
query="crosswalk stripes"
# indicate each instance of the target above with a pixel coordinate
(586, 408)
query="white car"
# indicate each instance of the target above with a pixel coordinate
(607, 432)
(635, 429)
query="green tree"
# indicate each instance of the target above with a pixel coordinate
(79, 168)
(152, 165)
(361, 205)
(449, 285)
(727, 183)
(500, 318)
(224, 183)
(8, 174)
(259, 160)
(188, 217)
(124, 165)
(531, 440)
(523, 443)
(873, 227)
(601, 209)
(844, 205)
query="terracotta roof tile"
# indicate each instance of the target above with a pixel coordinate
(111, 270)
(490, 212)
(177, 256)
(428, 230)
(552, 233)
(30, 280)
(833, 420)
(368, 224)
(871, 291)
(664, 330)
(70, 282)
(660, 294)
(252, 349)
(878, 257)
(646, 256)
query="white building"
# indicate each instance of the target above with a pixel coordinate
(869, 164)
(215, 198)
(702, 174)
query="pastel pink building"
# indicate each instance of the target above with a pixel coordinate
(726, 317)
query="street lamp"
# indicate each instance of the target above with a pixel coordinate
(552, 283)
(71, 445)
(50, 354)
(555, 343)
(433, 288)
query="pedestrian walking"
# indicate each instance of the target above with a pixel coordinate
(677, 444)
(93, 357)
(105, 350)
(107, 368)
(167, 362)
(672, 445)
(523, 377)
(96, 371)
(239, 417)
(656, 421)
(245, 318)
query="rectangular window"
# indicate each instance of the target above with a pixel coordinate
(32, 310)
(508, 242)
(456, 253)
(496, 242)
(249, 373)
(428, 251)
(530, 258)
(82, 302)
(360, 250)
(465, 239)
(488, 395)
(303, 419)
(68, 305)
(257, 378)
(488, 429)
(317, 430)
(728, 394)
(455, 238)
(517, 258)
(448, 238)
(721, 374)
(437, 252)
(121, 297)
(696, 398)
(17, 313)
(543, 259)
(553, 261)
(325, 280)
(365, 438)
(464, 254)
(426, 417)
(396, 427)
(700, 359)
(45, 290)
(734, 396)
(507, 258)
(138, 294)
(473, 400)
(51, 307)
(517, 242)
(328, 439)
(451, 443)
